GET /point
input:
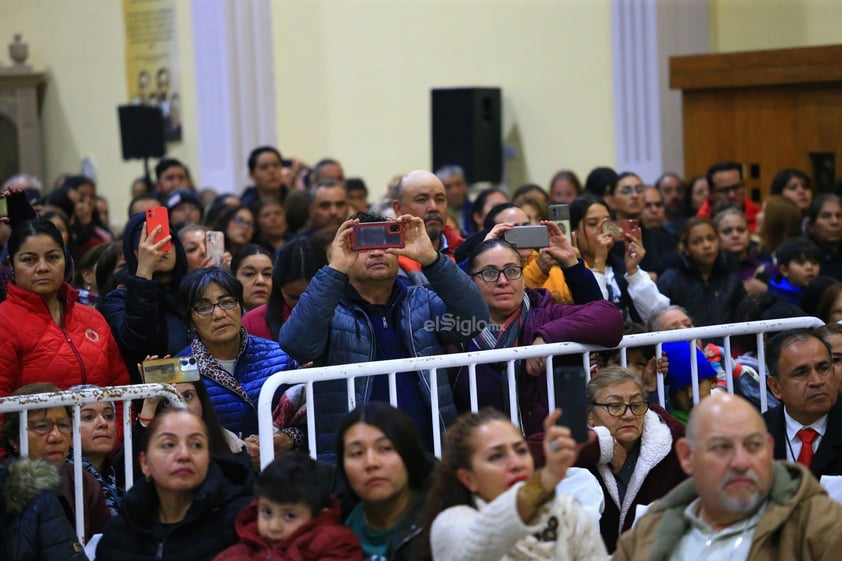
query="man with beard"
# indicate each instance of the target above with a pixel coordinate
(421, 193)
(355, 311)
(807, 426)
(739, 503)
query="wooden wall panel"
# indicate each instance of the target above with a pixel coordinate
(768, 124)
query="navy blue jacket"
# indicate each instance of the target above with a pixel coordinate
(260, 359)
(328, 327)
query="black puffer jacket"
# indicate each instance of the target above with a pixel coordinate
(144, 315)
(207, 529)
(708, 302)
(33, 523)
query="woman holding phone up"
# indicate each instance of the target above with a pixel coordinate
(488, 501)
(144, 314)
(521, 316)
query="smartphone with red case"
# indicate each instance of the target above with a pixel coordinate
(377, 235)
(158, 216)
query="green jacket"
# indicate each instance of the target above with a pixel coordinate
(800, 522)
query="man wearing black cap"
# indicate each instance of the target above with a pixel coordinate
(184, 207)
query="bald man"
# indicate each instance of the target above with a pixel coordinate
(739, 503)
(421, 193)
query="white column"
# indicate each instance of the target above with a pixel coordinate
(647, 113)
(234, 95)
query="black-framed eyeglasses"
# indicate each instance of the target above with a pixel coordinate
(491, 274)
(729, 189)
(206, 308)
(618, 409)
(44, 427)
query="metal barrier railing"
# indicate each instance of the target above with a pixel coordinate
(75, 399)
(433, 365)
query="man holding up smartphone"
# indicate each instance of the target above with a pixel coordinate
(354, 310)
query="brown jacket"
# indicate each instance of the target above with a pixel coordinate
(800, 522)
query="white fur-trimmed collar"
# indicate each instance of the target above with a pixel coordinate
(655, 443)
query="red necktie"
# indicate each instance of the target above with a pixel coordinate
(807, 437)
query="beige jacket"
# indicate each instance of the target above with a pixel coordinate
(800, 522)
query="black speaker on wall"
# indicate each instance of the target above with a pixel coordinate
(467, 131)
(141, 131)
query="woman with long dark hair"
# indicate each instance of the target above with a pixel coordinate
(488, 501)
(295, 264)
(386, 472)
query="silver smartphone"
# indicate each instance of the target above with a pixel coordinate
(528, 237)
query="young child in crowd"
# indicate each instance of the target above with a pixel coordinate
(798, 260)
(294, 517)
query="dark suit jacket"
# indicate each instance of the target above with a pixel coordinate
(828, 458)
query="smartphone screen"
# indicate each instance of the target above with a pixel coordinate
(215, 246)
(571, 397)
(528, 237)
(158, 216)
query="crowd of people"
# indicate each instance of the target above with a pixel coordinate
(277, 278)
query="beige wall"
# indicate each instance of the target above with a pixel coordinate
(80, 44)
(744, 25)
(354, 79)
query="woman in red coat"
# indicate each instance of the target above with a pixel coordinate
(45, 336)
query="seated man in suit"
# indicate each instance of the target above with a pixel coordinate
(807, 426)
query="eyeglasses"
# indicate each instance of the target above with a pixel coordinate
(239, 220)
(491, 274)
(206, 308)
(729, 189)
(627, 189)
(618, 409)
(65, 426)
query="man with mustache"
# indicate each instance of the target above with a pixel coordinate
(421, 193)
(355, 310)
(739, 503)
(807, 426)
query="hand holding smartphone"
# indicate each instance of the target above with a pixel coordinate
(528, 237)
(619, 229)
(158, 216)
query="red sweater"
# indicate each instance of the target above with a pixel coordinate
(750, 209)
(323, 538)
(33, 348)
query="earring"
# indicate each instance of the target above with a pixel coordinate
(149, 479)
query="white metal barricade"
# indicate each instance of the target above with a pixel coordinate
(75, 399)
(435, 364)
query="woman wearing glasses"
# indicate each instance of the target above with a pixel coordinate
(525, 316)
(232, 363)
(633, 456)
(49, 433)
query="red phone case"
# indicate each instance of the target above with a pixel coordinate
(367, 235)
(158, 216)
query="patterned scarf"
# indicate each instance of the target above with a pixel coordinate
(210, 368)
(503, 337)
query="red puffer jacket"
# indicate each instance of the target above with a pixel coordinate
(33, 348)
(323, 538)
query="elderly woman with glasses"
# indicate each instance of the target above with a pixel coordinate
(633, 456)
(233, 364)
(49, 434)
(525, 316)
